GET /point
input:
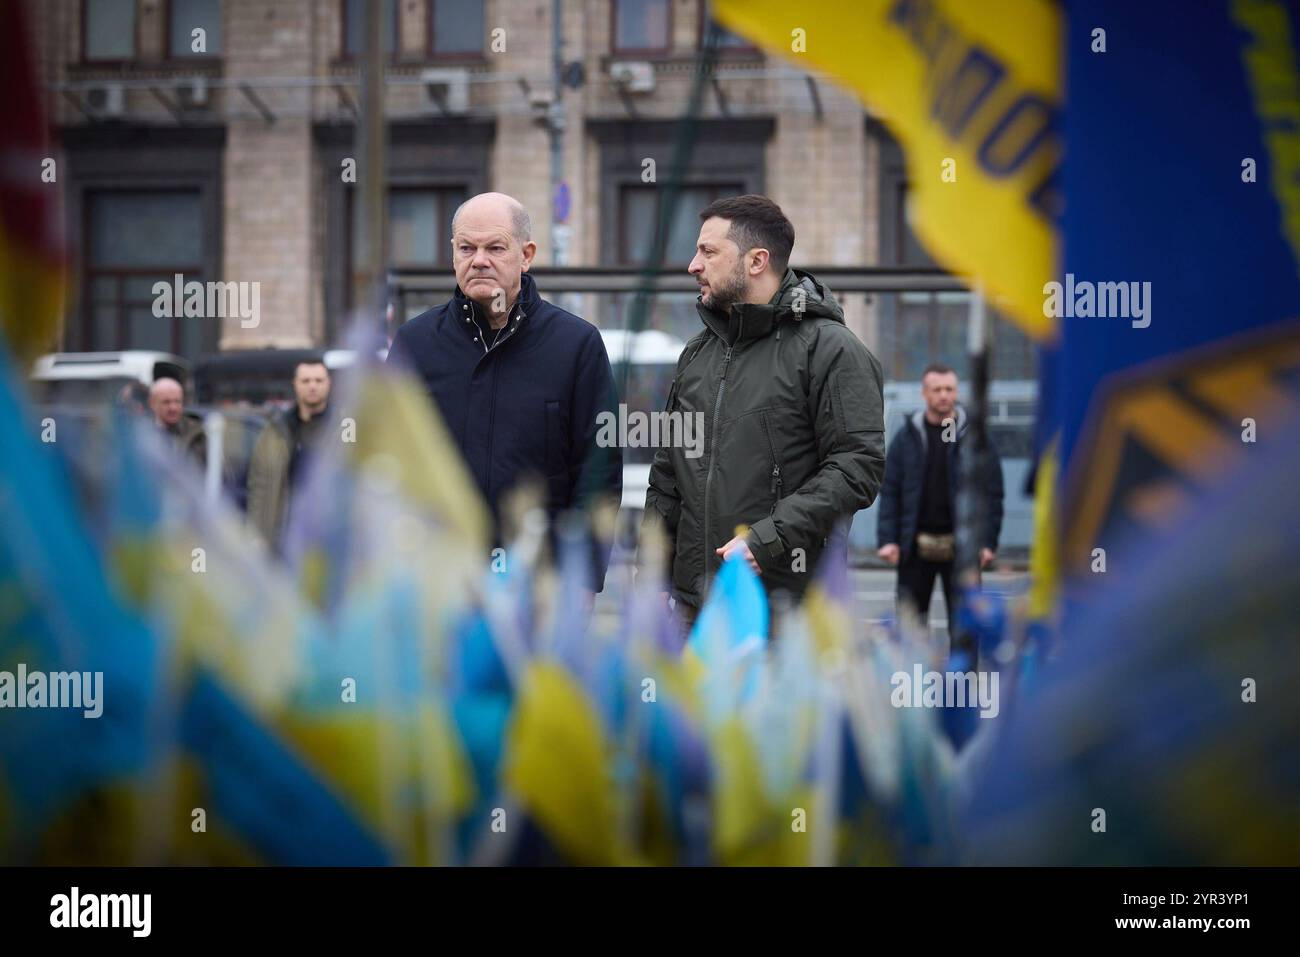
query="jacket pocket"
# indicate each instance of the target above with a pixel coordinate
(856, 402)
(775, 484)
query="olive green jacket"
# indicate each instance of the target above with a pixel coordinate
(268, 480)
(792, 408)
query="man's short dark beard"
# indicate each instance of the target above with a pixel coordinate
(734, 291)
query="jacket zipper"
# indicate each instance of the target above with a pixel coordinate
(713, 447)
(492, 409)
(776, 464)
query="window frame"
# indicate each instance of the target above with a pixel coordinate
(88, 60)
(89, 274)
(719, 187)
(346, 56)
(170, 55)
(397, 186)
(634, 53)
(467, 56)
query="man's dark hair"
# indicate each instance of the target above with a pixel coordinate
(756, 223)
(940, 368)
(310, 361)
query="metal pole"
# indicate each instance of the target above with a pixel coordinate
(368, 272)
(971, 500)
(555, 126)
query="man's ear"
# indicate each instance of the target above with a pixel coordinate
(761, 258)
(530, 250)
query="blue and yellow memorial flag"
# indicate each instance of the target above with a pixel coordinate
(77, 666)
(1180, 285)
(972, 92)
(1191, 759)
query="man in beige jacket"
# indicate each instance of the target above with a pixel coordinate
(283, 449)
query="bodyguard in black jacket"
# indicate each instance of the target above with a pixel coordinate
(919, 497)
(518, 381)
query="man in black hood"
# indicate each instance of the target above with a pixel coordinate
(791, 405)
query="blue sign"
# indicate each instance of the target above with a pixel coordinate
(562, 203)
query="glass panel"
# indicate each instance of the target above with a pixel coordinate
(1013, 353)
(145, 229)
(110, 29)
(641, 25)
(103, 328)
(197, 334)
(103, 289)
(638, 224)
(356, 25)
(457, 26)
(144, 330)
(419, 226)
(640, 208)
(953, 316)
(186, 16)
(138, 290)
(670, 312)
(413, 227)
(912, 324)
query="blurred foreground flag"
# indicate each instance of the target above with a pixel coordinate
(972, 92)
(31, 260)
(1180, 346)
(77, 669)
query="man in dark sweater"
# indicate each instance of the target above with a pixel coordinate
(918, 514)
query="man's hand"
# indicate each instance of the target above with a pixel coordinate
(986, 557)
(889, 553)
(738, 544)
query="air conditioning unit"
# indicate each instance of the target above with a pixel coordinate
(193, 95)
(108, 101)
(633, 76)
(446, 91)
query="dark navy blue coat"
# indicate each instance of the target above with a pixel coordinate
(524, 405)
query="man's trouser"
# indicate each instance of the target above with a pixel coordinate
(915, 585)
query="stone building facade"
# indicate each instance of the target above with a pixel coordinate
(211, 138)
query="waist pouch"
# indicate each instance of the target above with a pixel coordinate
(936, 548)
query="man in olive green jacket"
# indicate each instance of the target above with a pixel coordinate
(792, 409)
(282, 449)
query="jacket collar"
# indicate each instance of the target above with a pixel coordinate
(469, 314)
(918, 423)
(748, 321)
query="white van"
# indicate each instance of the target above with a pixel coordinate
(92, 378)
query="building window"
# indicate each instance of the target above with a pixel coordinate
(354, 28)
(107, 30)
(638, 207)
(186, 16)
(641, 27)
(918, 328)
(456, 28)
(133, 240)
(419, 227)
